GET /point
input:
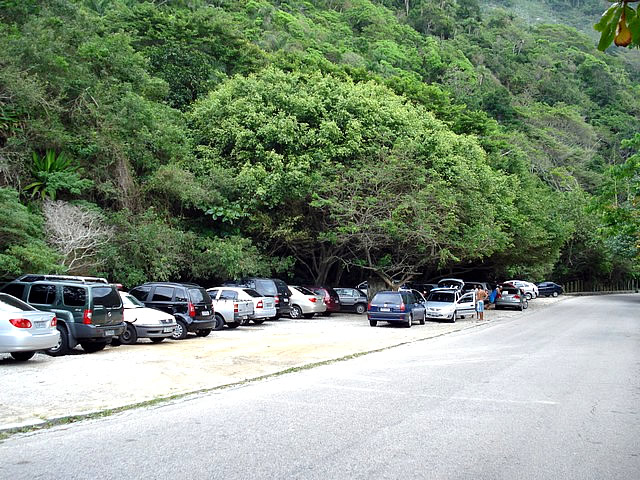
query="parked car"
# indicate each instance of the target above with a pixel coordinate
(305, 303)
(449, 304)
(363, 287)
(352, 299)
(549, 289)
(24, 330)
(88, 313)
(143, 322)
(395, 307)
(230, 309)
(471, 286)
(423, 288)
(267, 287)
(451, 283)
(330, 297)
(530, 289)
(264, 308)
(512, 297)
(189, 303)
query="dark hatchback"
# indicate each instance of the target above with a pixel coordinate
(189, 303)
(268, 287)
(330, 297)
(549, 289)
(395, 307)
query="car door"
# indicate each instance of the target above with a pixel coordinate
(161, 298)
(466, 305)
(417, 308)
(347, 298)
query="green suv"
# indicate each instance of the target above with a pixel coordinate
(89, 310)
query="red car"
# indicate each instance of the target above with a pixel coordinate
(331, 299)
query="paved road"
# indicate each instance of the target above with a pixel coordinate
(553, 395)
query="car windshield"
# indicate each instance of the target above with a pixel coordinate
(387, 298)
(251, 292)
(305, 291)
(268, 287)
(12, 305)
(130, 301)
(510, 291)
(105, 296)
(199, 295)
(447, 297)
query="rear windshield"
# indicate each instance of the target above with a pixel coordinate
(510, 291)
(199, 295)
(305, 291)
(105, 296)
(267, 287)
(441, 297)
(386, 298)
(251, 292)
(15, 289)
(12, 305)
(282, 287)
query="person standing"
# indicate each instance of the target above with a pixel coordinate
(481, 296)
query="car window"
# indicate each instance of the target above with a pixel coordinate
(105, 296)
(180, 295)
(251, 292)
(42, 294)
(162, 294)
(140, 293)
(199, 295)
(467, 297)
(131, 302)
(15, 289)
(266, 287)
(74, 296)
(228, 295)
(386, 298)
(447, 297)
(411, 298)
(305, 291)
(13, 305)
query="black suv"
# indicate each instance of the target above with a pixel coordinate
(268, 287)
(89, 311)
(188, 302)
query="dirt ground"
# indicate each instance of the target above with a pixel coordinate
(46, 388)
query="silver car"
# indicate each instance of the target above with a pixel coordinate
(305, 303)
(25, 330)
(512, 297)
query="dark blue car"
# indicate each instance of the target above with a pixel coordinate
(401, 307)
(549, 289)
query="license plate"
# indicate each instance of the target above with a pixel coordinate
(40, 324)
(285, 300)
(205, 312)
(383, 309)
(167, 330)
(109, 332)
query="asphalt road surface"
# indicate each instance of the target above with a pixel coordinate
(552, 395)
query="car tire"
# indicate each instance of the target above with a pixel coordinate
(555, 294)
(233, 325)
(409, 321)
(129, 336)
(258, 322)
(157, 339)
(203, 332)
(361, 308)
(93, 347)
(219, 322)
(326, 314)
(295, 312)
(528, 296)
(22, 356)
(454, 317)
(308, 315)
(423, 319)
(373, 323)
(63, 345)
(526, 304)
(180, 333)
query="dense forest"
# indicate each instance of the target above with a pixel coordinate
(317, 140)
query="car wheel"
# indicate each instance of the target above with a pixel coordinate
(233, 325)
(326, 314)
(62, 348)
(373, 323)
(92, 347)
(555, 294)
(180, 333)
(409, 321)
(129, 336)
(219, 322)
(22, 356)
(423, 319)
(258, 322)
(528, 296)
(296, 311)
(203, 332)
(454, 317)
(157, 339)
(361, 308)
(308, 315)
(526, 304)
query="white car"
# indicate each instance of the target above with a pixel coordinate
(305, 303)
(25, 330)
(530, 290)
(264, 308)
(143, 322)
(448, 304)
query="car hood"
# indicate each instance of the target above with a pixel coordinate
(439, 304)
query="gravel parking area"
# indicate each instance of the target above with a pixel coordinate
(47, 388)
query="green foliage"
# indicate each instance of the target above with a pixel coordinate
(54, 173)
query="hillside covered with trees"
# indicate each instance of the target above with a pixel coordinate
(207, 139)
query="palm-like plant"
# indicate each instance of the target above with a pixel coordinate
(44, 168)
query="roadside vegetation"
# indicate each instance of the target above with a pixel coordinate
(207, 139)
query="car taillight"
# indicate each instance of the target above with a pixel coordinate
(369, 306)
(277, 299)
(259, 304)
(54, 321)
(87, 316)
(192, 310)
(20, 322)
(312, 299)
(517, 297)
(402, 307)
(235, 308)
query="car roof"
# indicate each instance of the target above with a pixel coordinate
(30, 278)
(172, 284)
(444, 289)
